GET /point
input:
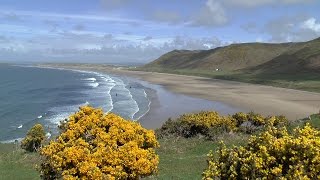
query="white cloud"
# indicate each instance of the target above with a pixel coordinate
(290, 28)
(87, 47)
(311, 24)
(257, 3)
(182, 42)
(59, 16)
(213, 14)
(10, 16)
(147, 38)
(259, 39)
(112, 4)
(79, 27)
(166, 16)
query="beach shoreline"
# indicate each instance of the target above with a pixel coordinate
(163, 104)
(267, 100)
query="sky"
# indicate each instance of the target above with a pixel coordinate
(139, 31)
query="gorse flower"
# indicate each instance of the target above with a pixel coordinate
(94, 145)
(210, 124)
(274, 154)
(34, 139)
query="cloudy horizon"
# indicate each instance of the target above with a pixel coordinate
(116, 31)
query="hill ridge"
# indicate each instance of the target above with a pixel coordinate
(246, 57)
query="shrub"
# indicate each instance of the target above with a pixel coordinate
(205, 121)
(258, 120)
(169, 128)
(210, 124)
(34, 138)
(94, 145)
(274, 154)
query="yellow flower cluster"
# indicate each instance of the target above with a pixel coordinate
(208, 119)
(274, 154)
(94, 145)
(210, 124)
(34, 138)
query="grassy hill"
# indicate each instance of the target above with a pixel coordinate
(290, 65)
(248, 56)
(304, 58)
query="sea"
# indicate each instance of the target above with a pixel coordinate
(30, 95)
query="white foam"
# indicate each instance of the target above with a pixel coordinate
(145, 95)
(61, 113)
(48, 135)
(109, 94)
(90, 79)
(131, 102)
(12, 140)
(94, 85)
(55, 119)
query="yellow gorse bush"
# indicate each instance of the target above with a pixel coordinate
(274, 154)
(94, 145)
(208, 119)
(34, 138)
(210, 124)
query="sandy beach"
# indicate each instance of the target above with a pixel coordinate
(267, 100)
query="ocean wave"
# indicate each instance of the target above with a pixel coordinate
(63, 112)
(108, 80)
(130, 102)
(103, 83)
(57, 118)
(12, 140)
(146, 96)
(90, 79)
(110, 87)
(94, 85)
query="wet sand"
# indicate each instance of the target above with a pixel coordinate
(267, 100)
(166, 104)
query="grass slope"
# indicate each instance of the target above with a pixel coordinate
(15, 164)
(182, 158)
(289, 65)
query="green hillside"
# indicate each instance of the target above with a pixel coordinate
(304, 58)
(290, 65)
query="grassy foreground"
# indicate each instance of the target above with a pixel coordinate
(15, 164)
(186, 158)
(180, 158)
